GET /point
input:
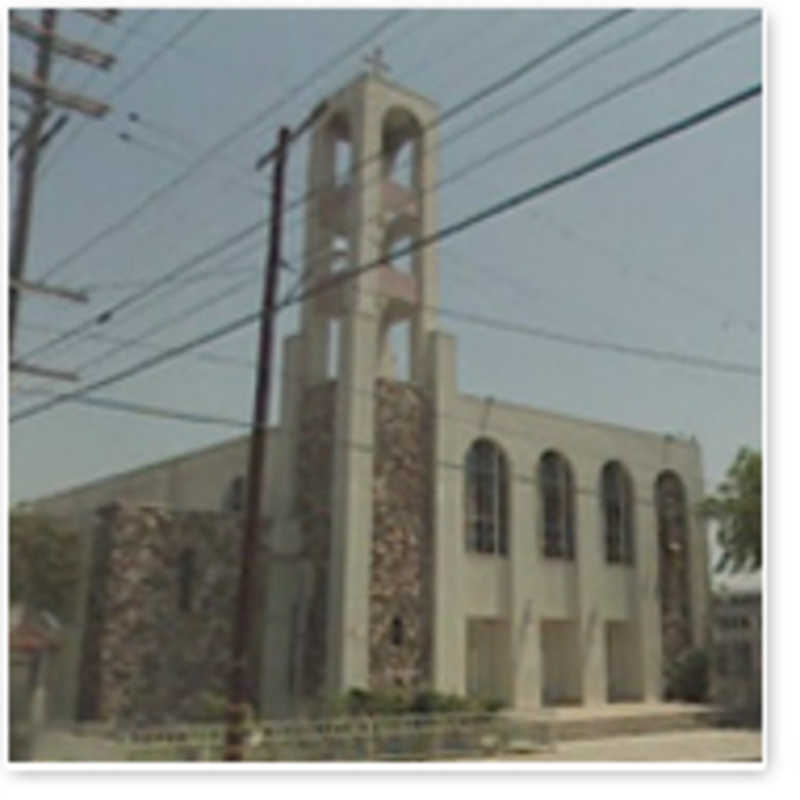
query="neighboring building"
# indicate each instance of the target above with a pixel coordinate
(737, 649)
(421, 537)
(34, 638)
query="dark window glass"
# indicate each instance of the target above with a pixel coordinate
(486, 499)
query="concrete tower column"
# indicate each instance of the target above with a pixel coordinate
(363, 209)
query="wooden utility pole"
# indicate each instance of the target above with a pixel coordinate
(42, 94)
(19, 236)
(241, 655)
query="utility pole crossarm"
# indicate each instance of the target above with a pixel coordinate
(43, 372)
(41, 288)
(60, 44)
(76, 102)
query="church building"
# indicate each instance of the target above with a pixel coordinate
(420, 537)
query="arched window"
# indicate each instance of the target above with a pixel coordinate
(398, 633)
(617, 500)
(558, 505)
(671, 513)
(673, 564)
(486, 499)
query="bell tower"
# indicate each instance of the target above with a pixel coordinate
(370, 198)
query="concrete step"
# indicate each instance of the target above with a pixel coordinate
(622, 724)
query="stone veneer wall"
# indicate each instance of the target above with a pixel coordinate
(676, 621)
(313, 505)
(401, 575)
(145, 659)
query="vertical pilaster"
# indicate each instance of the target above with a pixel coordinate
(590, 571)
(319, 240)
(647, 605)
(449, 624)
(424, 318)
(354, 422)
(526, 667)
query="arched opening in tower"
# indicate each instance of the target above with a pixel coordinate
(401, 255)
(334, 348)
(401, 168)
(339, 131)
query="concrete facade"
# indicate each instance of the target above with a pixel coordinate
(375, 580)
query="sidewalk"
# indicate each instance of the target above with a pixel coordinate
(702, 745)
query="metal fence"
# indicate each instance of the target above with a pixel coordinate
(402, 737)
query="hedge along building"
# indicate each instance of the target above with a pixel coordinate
(419, 537)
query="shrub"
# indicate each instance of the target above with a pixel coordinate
(493, 704)
(426, 701)
(687, 677)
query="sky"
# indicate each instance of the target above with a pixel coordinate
(661, 250)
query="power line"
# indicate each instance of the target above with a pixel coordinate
(150, 287)
(171, 132)
(145, 410)
(493, 428)
(496, 209)
(625, 86)
(463, 105)
(513, 104)
(148, 63)
(174, 319)
(564, 119)
(554, 183)
(602, 99)
(161, 412)
(243, 128)
(614, 257)
(501, 83)
(457, 46)
(482, 320)
(116, 48)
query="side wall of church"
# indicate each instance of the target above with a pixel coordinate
(400, 595)
(159, 614)
(200, 481)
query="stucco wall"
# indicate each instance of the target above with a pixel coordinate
(589, 591)
(199, 481)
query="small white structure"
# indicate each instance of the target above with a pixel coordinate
(431, 538)
(736, 634)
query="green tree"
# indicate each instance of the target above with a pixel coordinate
(736, 508)
(44, 564)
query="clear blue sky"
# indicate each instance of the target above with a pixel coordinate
(662, 250)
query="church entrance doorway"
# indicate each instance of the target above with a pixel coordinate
(488, 658)
(561, 674)
(623, 662)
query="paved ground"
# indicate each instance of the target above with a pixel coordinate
(712, 744)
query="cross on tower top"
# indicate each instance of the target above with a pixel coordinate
(377, 66)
